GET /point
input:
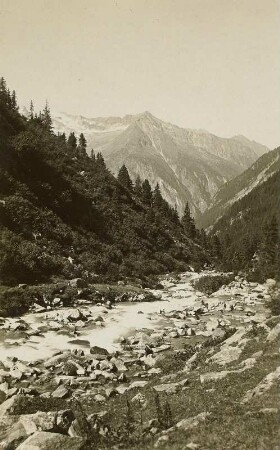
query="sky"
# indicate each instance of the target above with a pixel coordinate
(211, 64)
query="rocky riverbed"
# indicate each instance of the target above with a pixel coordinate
(66, 372)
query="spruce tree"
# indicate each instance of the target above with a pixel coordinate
(124, 178)
(157, 200)
(100, 161)
(72, 141)
(188, 223)
(82, 147)
(46, 117)
(147, 192)
(31, 111)
(138, 186)
(14, 101)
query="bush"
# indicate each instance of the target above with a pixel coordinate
(16, 301)
(211, 283)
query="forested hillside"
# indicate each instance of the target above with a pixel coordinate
(62, 213)
(249, 232)
(238, 187)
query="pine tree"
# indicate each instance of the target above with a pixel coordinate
(14, 101)
(157, 200)
(124, 178)
(82, 147)
(100, 161)
(188, 223)
(31, 111)
(72, 141)
(46, 117)
(92, 155)
(147, 192)
(138, 187)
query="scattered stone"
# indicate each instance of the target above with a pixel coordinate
(60, 392)
(42, 440)
(168, 388)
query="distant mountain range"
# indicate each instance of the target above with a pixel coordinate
(189, 165)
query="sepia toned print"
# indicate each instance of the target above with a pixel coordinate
(139, 224)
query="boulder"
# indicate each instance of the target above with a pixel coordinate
(226, 355)
(95, 350)
(168, 388)
(42, 440)
(60, 392)
(78, 283)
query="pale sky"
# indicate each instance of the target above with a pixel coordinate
(212, 64)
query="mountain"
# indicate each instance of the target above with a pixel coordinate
(189, 165)
(248, 230)
(64, 214)
(234, 190)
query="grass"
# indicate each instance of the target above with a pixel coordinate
(231, 424)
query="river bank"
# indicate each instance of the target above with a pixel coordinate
(112, 360)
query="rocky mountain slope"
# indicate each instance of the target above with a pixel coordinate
(234, 190)
(190, 165)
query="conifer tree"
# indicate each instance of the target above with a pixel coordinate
(46, 117)
(124, 178)
(157, 200)
(138, 186)
(147, 192)
(92, 155)
(14, 101)
(82, 147)
(31, 110)
(100, 161)
(72, 141)
(188, 223)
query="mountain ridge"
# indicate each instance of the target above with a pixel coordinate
(189, 165)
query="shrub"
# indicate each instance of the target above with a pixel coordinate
(211, 283)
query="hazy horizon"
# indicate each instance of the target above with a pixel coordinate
(203, 64)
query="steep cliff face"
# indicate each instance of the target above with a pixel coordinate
(190, 165)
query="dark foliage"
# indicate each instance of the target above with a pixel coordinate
(63, 213)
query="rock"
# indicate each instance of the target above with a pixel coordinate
(262, 387)
(122, 378)
(138, 384)
(110, 392)
(40, 421)
(190, 332)
(168, 388)
(60, 392)
(38, 308)
(270, 282)
(213, 376)
(95, 350)
(64, 420)
(78, 283)
(8, 406)
(191, 422)
(212, 324)
(226, 355)
(219, 333)
(42, 440)
(99, 398)
(162, 440)
(75, 315)
(13, 437)
(274, 333)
